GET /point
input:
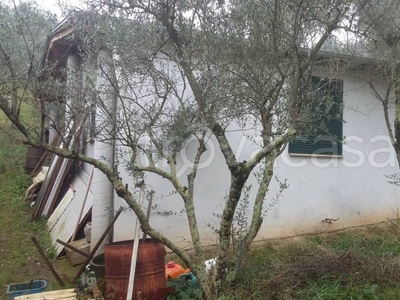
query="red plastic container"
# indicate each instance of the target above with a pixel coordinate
(173, 270)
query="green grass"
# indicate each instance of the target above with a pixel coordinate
(326, 288)
(362, 263)
(19, 259)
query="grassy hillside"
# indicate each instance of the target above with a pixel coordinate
(19, 259)
(362, 263)
(355, 264)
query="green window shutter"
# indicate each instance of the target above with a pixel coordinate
(325, 134)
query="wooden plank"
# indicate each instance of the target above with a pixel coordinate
(62, 222)
(67, 294)
(44, 187)
(62, 206)
(46, 155)
(54, 168)
(83, 205)
(48, 295)
(62, 167)
(55, 188)
(76, 258)
(57, 224)
(61, 297)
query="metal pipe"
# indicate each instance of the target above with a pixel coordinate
(135, 249)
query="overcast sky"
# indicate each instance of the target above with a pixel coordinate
(54, 5)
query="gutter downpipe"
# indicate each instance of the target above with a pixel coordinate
(104, 149)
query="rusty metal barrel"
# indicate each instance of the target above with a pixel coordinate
(150, 270)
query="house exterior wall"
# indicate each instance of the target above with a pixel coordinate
(352, 187)
(92, 188)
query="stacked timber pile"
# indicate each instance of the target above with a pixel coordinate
(68, 294)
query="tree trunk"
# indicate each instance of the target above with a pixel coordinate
(224, 260)
(257, 217)
(396, 86)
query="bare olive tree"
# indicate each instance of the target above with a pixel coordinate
(171, 70)
(378, 25)
(23, 30)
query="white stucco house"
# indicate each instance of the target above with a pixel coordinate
(344, 181)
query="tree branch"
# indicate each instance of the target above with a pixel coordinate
(268, 149)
